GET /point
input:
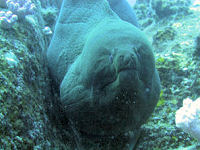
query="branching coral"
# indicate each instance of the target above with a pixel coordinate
(7, 19)
(18, 9)
(21, 7)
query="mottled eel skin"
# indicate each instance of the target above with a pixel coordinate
(105, 68)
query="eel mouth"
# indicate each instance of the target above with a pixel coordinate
(74, 104)
(126, 69)
(122, 70)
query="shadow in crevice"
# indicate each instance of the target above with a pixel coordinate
(60, 124)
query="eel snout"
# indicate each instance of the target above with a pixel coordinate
(127, 60)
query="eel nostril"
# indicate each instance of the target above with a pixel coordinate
(127, 60)
(111, 59)
(121, 57)
(132, 61)
(132, 57)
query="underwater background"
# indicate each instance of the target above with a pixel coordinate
(30, 115)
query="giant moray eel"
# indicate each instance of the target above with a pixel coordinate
(105, 69)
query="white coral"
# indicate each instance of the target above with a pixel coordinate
(188, 117)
